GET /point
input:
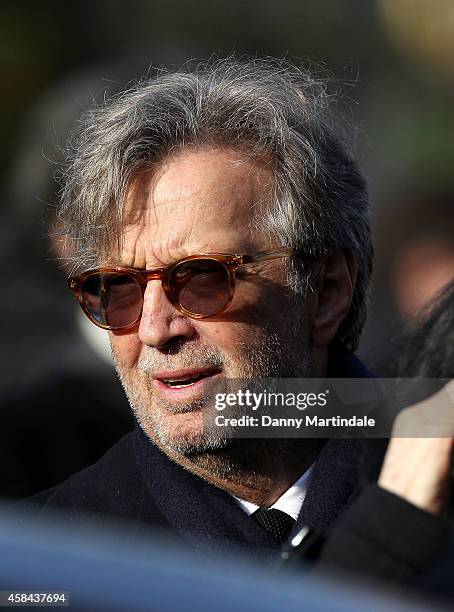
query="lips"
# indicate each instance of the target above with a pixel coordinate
(182, 382)
(178, 381)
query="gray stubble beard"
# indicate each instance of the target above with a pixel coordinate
(220, 455)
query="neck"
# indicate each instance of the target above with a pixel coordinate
(258, 471)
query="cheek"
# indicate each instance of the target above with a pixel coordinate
(259, 295)
(229, 337)
(219, 334)
(126, 349)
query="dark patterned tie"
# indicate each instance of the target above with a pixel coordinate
(277, 523)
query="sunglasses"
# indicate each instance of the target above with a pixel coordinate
(199, 286)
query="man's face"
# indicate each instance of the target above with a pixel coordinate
(203, 201)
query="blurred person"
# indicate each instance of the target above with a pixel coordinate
(401, 529)
(61, 359)
(225, 226)
(414, 239)
(419, 233)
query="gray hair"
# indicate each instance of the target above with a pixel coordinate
(264, 106)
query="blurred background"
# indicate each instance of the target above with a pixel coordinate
(61, 406)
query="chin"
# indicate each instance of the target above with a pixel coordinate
(183, 434)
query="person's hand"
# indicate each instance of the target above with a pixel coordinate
(418, 469)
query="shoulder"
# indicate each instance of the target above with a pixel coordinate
(113, 485)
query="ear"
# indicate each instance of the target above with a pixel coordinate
(334, 283)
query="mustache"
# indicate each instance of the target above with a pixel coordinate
(189, 356)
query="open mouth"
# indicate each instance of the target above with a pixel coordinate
(183, 382)
(184, 379)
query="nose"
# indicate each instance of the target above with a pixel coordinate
(161, 323)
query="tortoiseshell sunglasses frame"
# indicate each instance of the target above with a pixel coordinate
(231, 263)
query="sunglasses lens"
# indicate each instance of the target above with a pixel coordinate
(201, 286)
(113, 299)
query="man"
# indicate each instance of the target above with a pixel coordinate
(240, 223)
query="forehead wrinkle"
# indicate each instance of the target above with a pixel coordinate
(138, 249)
(140, 252)
(155, 201)
(147, 192)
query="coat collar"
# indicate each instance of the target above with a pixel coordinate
(344, 465)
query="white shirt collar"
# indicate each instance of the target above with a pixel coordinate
(289, 502)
